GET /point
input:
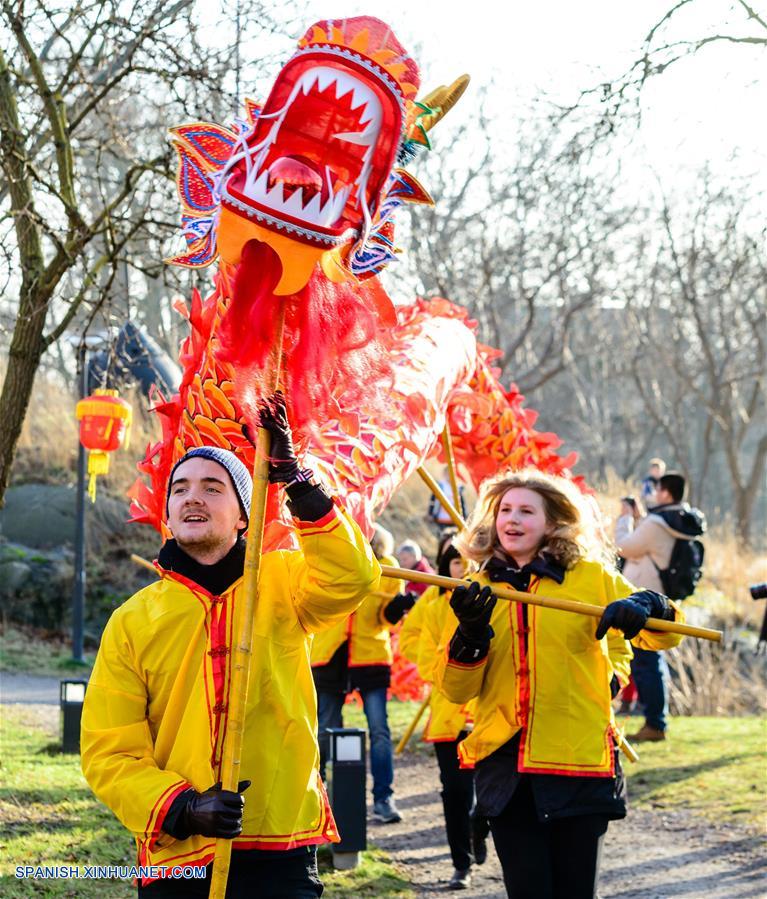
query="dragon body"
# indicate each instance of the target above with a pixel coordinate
(294, 204)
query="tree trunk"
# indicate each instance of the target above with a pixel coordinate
(27, 347)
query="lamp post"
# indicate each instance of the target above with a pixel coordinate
(84, 344)
(346, 791)
(78, 591)
(71, 698)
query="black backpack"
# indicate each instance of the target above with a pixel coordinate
(685, 569)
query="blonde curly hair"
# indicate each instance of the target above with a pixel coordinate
(575, 530)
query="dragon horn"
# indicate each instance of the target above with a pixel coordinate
(442, 99)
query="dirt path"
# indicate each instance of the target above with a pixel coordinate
(650, 855)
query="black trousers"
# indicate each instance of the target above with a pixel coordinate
(457, 801)
(253, 874)
(552, 860)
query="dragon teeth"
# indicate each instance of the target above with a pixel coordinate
(308, 81)
(325, 77)
(295, 203)
(314, 212)
(311, 212)
(344, 84)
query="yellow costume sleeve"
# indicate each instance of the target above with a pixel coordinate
(658, 640)
(116, 742)
(434, 623)
(337, 571)
(410, 635)
(458, 681)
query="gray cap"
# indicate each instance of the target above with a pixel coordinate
(238, 473)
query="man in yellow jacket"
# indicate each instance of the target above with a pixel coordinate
(356, 654)
(156, 709)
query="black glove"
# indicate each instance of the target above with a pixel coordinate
(283, 464)
(473, 607)
(214, 813)
(630, 615)
(402, 602)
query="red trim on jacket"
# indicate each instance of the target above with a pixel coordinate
(220, 654)
(154, 832)
(307, 527)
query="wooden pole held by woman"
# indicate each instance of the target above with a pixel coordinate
(550, 602)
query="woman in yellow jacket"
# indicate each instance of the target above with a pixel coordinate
(448, 722)
(356, 654)
(544, 738)
(156, 708)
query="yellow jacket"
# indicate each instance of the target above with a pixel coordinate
(155, 711)
(366, 629)
(412, 627)
(558, 692)
(428, 623)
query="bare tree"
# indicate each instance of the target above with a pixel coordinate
(87, 90)
(700, 364)
(669, 42)
(523, 236)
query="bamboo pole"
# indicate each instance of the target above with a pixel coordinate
(413, 724)
(627, 749)
(241, 651)
(144, 563)
(550, 602)
(437, 491)
(447, 445)
(623, 744)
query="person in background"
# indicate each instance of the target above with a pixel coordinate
(655, 470)
(356, 654)
(157, 705)
(647, 550)
(448, 723)
(437, 513)
(548, 775)
(411, 556)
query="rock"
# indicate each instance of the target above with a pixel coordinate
(13, 573)
(35, 585)
(43, 516)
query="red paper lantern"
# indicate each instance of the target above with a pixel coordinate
(105, 422)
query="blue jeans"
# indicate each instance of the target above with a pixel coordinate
(651, 676)
(329, 714)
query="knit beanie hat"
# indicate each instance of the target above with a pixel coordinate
(238, 473)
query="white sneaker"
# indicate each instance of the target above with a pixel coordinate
(386, 811)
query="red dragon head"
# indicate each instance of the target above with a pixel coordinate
(313, 173)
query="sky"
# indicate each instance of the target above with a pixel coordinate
(703, 111)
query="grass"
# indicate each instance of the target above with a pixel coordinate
(375, 876)
(23, 650)
(48, 816)
(711, 767)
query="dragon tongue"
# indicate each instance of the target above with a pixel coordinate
(293, 174)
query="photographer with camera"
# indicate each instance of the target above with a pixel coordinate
(662, 553)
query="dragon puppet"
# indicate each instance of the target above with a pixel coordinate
(296, 204)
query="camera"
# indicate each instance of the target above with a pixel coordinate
(758, 591)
